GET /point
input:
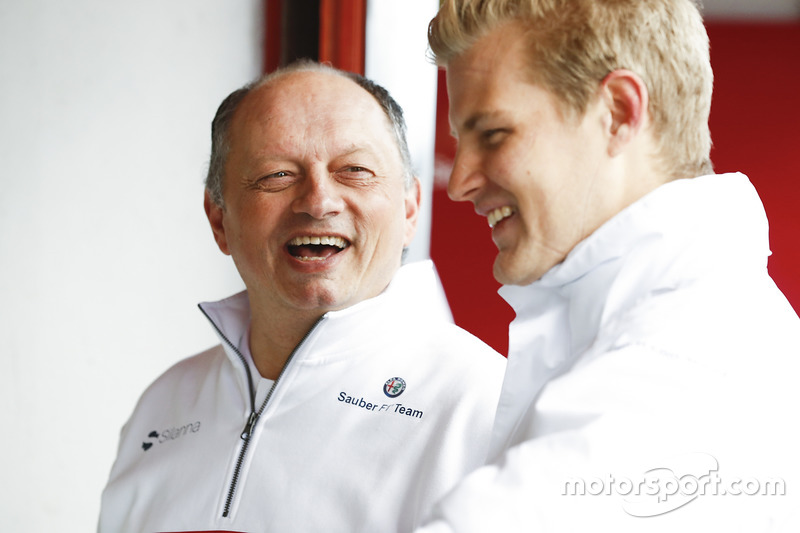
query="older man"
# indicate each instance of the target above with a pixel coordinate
(342, 397)
(652, 359)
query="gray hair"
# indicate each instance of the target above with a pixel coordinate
(220, 126)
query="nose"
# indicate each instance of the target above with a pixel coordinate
(318, 195)
(466, 178)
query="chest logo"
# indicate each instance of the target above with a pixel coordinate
(394, 387)
(169, 434)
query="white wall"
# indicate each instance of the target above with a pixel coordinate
(396, 46)
(105, 108)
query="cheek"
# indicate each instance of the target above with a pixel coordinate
(379, 209)
(510, 166)
(387, 230)
(255, 229)
(387, 224)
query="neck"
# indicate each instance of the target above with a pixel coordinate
(640, 171)
(273, 338)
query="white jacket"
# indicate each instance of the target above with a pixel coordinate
(651, 371)
(332, 450)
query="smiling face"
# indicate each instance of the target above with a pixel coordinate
(316, 212)
(539, 176)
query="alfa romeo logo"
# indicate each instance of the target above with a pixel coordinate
(394, 387)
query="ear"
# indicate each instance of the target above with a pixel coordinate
(412, 202)
(626, 98)
(216, 216)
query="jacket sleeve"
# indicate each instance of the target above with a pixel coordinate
(634, 440)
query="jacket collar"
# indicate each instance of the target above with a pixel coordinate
(677, 232)
(415, 292)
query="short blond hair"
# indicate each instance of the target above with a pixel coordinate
(574, 44)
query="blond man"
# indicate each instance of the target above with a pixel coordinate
(652, 357)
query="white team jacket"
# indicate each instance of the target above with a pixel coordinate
(382, 408)
(651, 381)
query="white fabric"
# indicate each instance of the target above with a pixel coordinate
(315, 462)
(660, 346)
(262, 384)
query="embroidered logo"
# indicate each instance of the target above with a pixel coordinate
(394, 387)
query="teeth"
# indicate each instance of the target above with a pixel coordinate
(499, 214)
(329, 240)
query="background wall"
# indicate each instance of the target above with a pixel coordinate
(412, 80)
(105, 108)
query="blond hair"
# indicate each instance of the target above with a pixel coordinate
(574, 44)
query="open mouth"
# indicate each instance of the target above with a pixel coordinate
(316, 248)
(499, 214)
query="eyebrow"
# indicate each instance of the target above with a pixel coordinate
(472, 122)
(354, 149)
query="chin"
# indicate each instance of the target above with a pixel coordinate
(514, 274)
(502, 274)
(316, 298)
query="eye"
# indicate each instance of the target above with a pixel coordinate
(355, 168)
(274, 181)
(354, 171)
(493, 136)
(352, 175)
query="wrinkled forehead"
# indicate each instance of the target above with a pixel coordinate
(308, 95)
(316, 110)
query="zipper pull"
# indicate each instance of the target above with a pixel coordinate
(251, 423)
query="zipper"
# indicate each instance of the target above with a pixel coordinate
(241, 358)
(252, 420)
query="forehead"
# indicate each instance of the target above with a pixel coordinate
(480, 79)
(309, 107)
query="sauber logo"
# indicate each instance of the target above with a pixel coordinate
(154, 437)
(393, 388)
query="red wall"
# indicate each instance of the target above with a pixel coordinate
(755, 126)
(755, 121)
